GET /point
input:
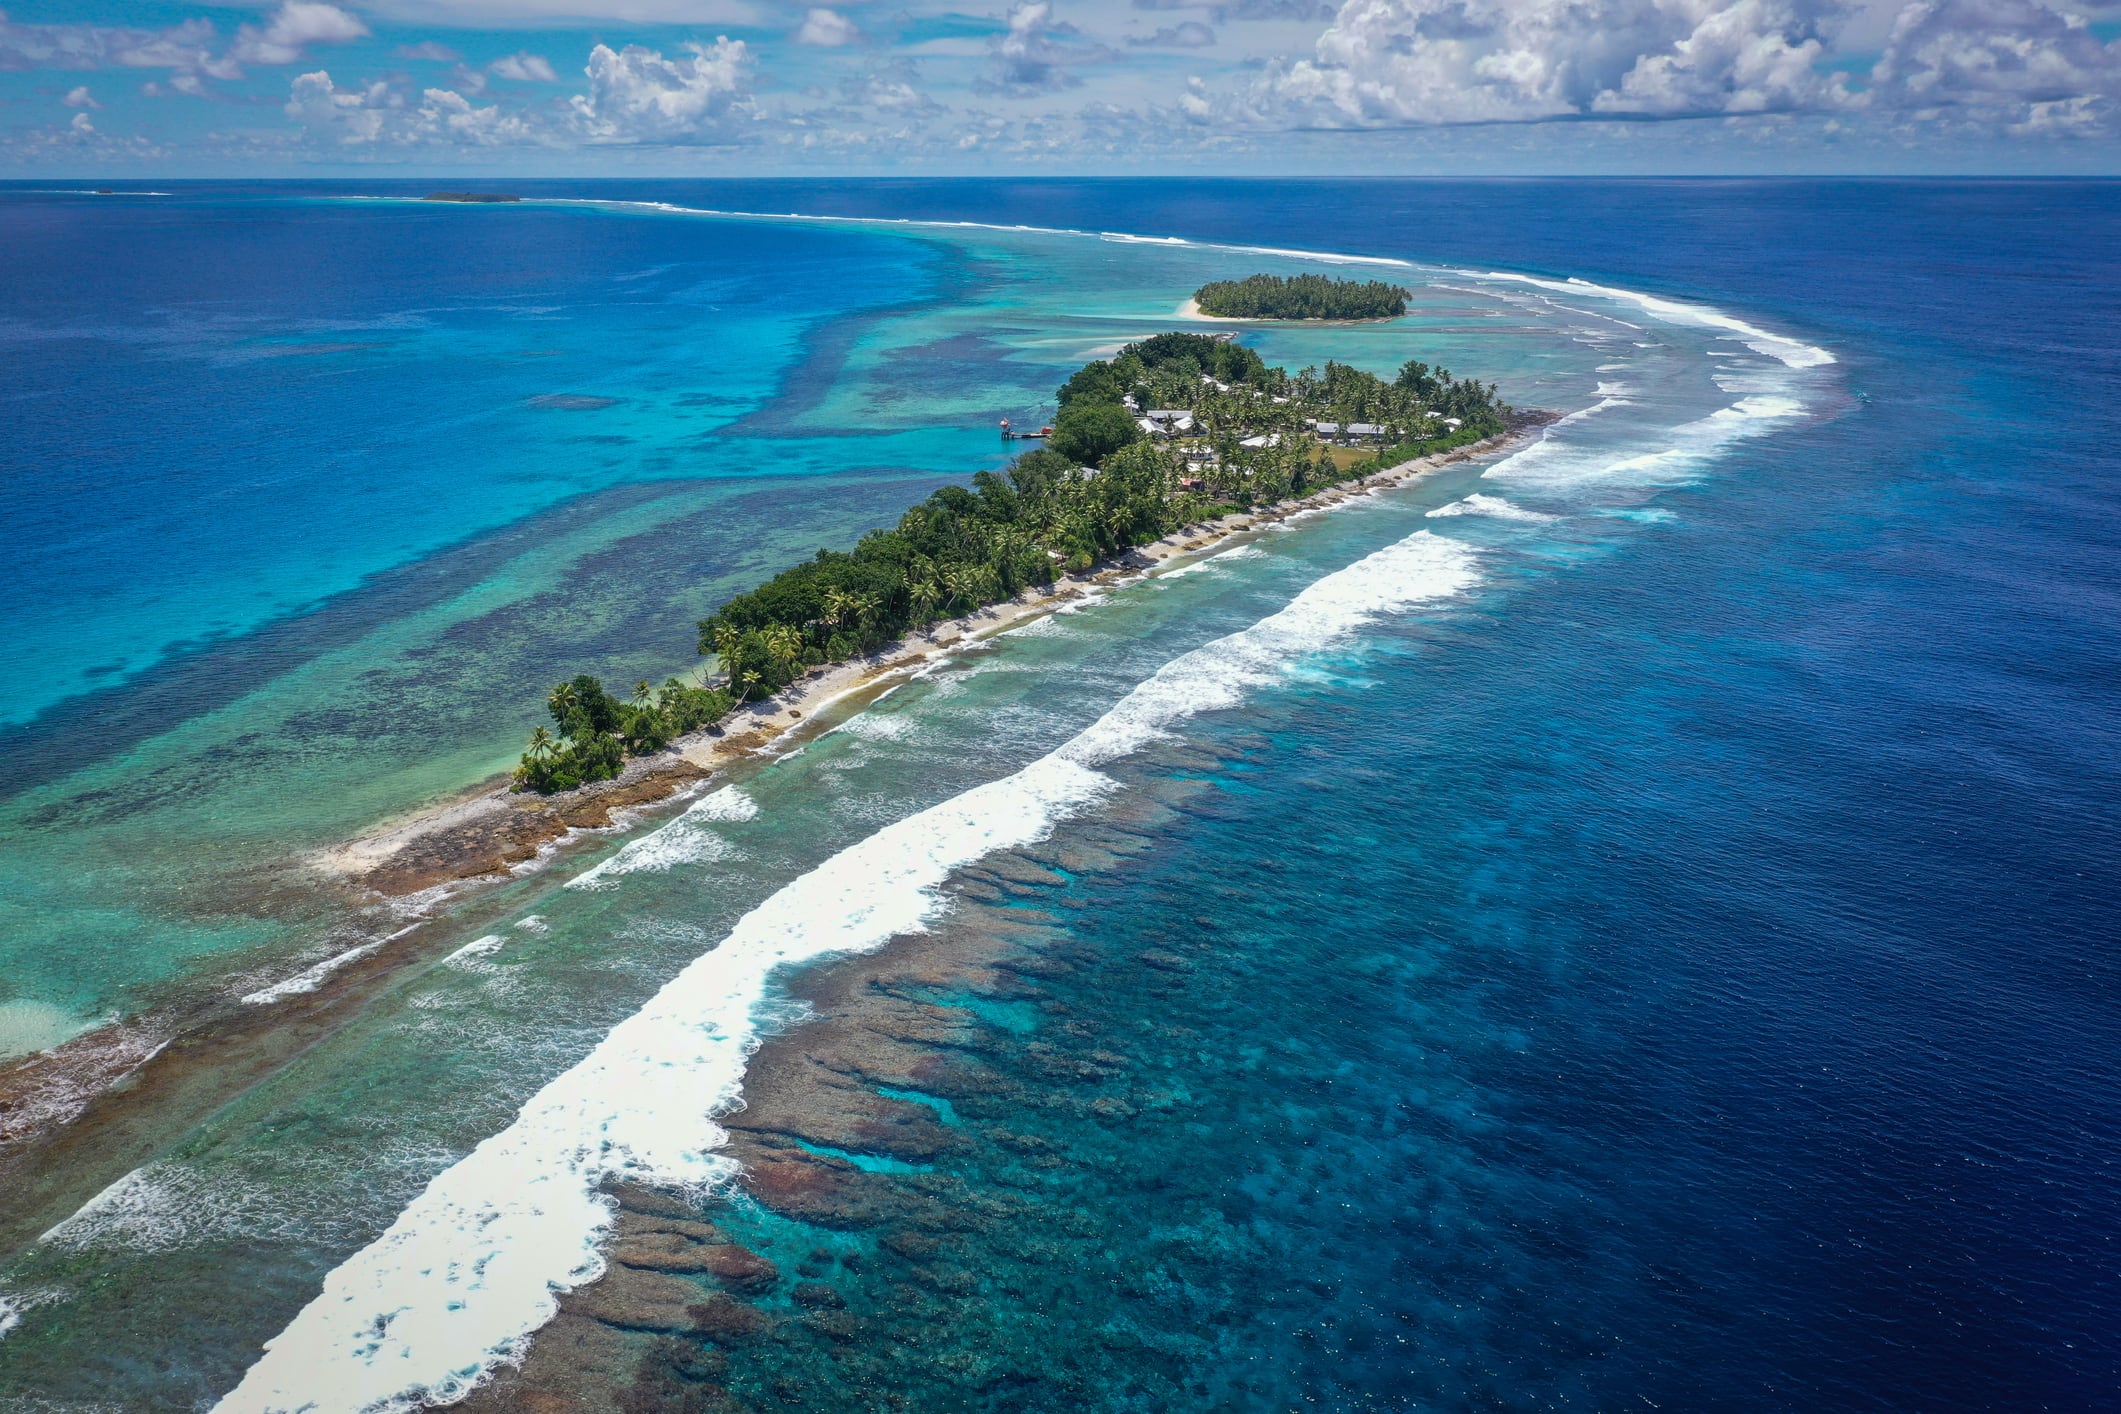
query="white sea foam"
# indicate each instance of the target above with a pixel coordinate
(1090, 599)
(1480, 504)
(166, 1206)
(477, 948)
(727, 805)
(1553, 461)
(311, 978)
(1220, 559)
(139, 1208)
(470, 1267)
(679, 842)
(1701, 316)
(877, 726)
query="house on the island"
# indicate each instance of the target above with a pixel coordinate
(1349, 434)
(1164, 422)
(1264, 439)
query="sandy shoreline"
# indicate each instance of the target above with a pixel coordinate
(491, 831)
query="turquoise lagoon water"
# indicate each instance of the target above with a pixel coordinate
(321, 493)
(1642, 933)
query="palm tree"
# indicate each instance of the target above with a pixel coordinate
(540, 743)
(839, 606)
(925, 595)
(726, 642)
(563, 703)
(784, 645)
(963, 583)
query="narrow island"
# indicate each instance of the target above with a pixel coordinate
(477, 198)
(1300, 297)
(1173, 431)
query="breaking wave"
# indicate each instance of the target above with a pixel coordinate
(1481, 504)
(1555, 461)
(471, 1267)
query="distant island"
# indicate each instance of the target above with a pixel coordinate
(481, 197)
(1300, 297)
(1173, 431)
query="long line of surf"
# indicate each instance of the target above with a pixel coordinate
(472, 1266)
(1791, 351)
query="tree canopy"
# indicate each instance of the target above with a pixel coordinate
(1300, 297)
(1102, 485)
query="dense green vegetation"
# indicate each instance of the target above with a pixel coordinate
(1300, 297)
(1231, 433)
(598, 731)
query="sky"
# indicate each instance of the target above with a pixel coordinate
(1082, 87)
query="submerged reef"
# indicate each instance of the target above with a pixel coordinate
(1044, 1157)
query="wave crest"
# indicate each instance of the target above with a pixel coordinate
(470, 1268)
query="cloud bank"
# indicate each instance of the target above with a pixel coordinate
(1082, 81)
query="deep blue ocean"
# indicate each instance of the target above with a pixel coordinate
(1669, 957)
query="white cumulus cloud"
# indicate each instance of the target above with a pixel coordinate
(80, 98)
(1036, 53)
(2017, 63)
(1479, 61)
(447, 117)
(638, 96)
(376, 115)
(186, 48)
(827, 29)
(293, 28)
(525, 68)
(349, 116)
